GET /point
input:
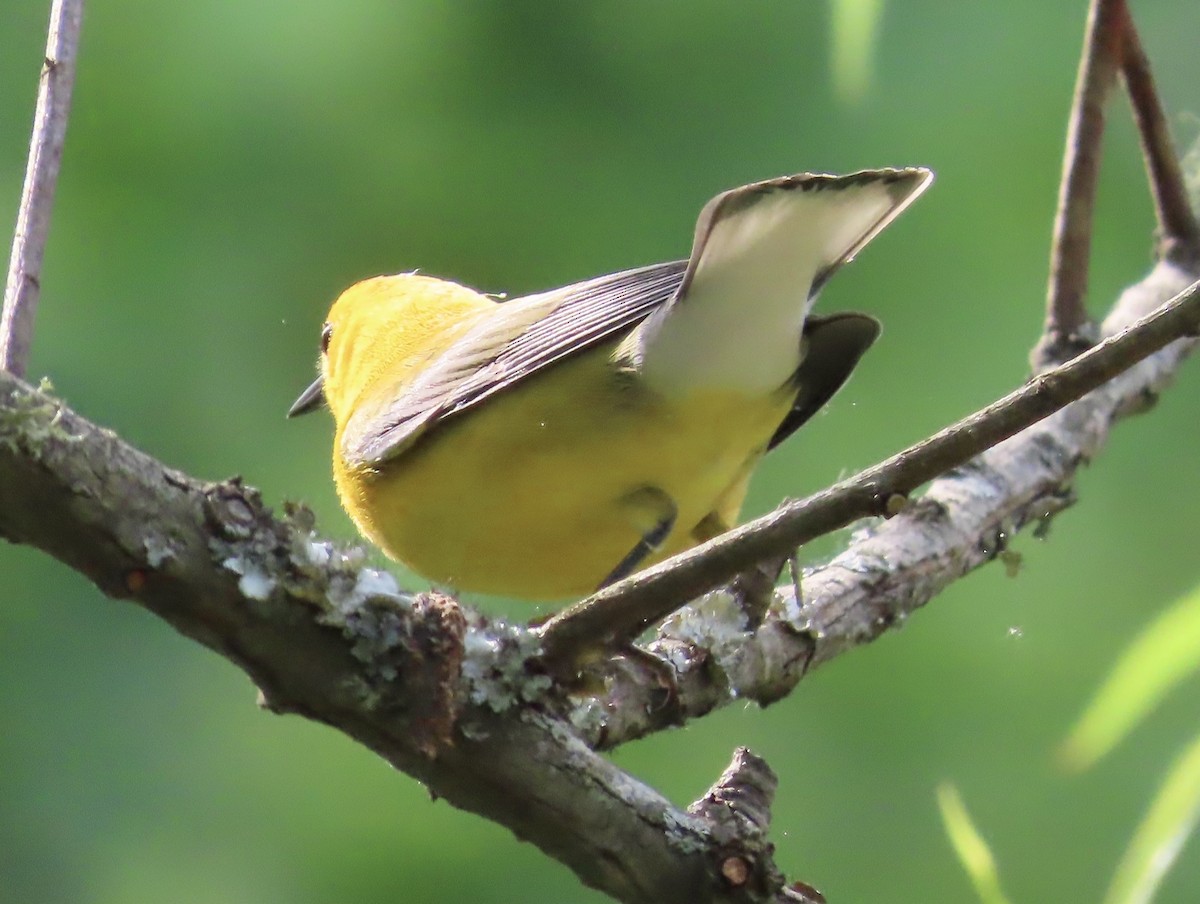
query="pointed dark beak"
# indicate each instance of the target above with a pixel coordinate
(310, 400)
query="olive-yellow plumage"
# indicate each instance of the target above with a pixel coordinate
(542, 446)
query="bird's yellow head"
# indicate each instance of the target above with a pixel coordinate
(379, 331)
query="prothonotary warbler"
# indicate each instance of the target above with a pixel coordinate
(544, 446)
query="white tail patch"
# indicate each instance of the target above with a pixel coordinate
(758, 251)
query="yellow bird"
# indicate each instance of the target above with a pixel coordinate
(544, 446)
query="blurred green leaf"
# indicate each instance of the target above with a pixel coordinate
(854, 33)
(973, 852)
(1165, 653)
(1162, 833)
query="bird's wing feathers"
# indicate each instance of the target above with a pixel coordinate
(842, 234)
(524, 336)
(760, 255)
(746, 238)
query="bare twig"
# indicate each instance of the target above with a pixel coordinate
(625, 609)
(1178, 232)
(41, 174)
(1067, 323)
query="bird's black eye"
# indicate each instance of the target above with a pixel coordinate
(326, 335)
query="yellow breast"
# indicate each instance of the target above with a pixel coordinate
(539, 492)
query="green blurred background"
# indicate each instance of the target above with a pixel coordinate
(231, 167)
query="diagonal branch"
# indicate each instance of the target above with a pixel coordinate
(41, 175)
(888, 570)
(617, 614)
(625, 609)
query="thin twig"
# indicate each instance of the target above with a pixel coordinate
(1178, 232)
(1067, 328)
(623, 610)
(41, 174)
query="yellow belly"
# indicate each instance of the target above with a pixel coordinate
(541, 491)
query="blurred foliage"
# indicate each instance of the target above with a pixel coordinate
(1160, 837)
(1164, 654)
(1126, 697)
(231, 167)
(853, 38)
(970, 847)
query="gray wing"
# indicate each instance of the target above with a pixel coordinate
(525, 336)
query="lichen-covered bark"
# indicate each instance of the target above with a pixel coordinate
(442, 695)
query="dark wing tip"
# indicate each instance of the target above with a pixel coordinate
(834, 346)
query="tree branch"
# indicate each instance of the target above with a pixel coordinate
(451, 702)
(964, 520)
(41, 175)
(447, 702)
(456, 700)
(625, 609)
